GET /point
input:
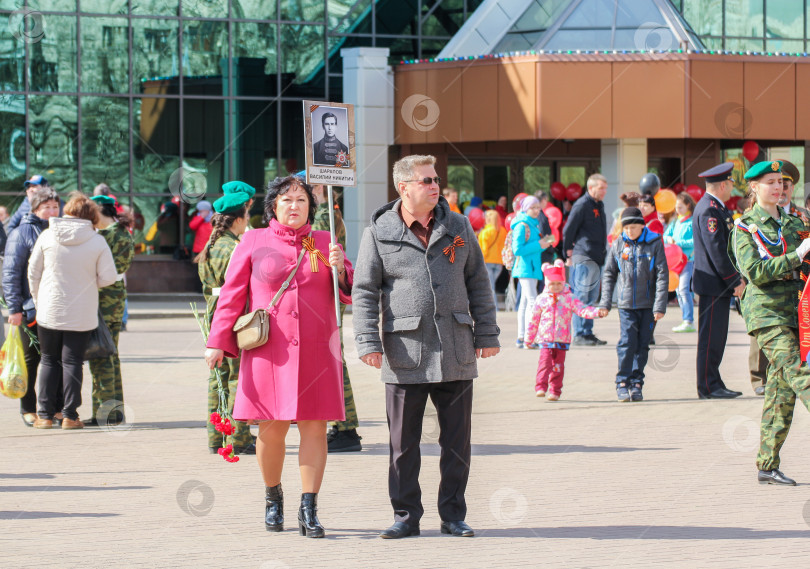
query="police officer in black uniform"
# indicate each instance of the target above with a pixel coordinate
(715, 279)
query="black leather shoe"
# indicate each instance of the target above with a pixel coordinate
(398, 530)
(344, 441)
(774, 476)
(308, 524)
(26, 421)
(274, 508)
(583, 341)
(760, 390)
(596, 341)
(721, 393)
(250, 449)
(458, 529)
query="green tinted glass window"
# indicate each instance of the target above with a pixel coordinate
(105, 7)
(785, 19)
(52, 139)
(105, 55)
(302, 59)
(155, 7)
(536, 178)
(105, 142)
(205, 49)
(13, 40)
(154, 50)
(205, 8)
(705, 16)
(257, 41)
(51, 5)
(251, 133)
(12, 142)
(350, 16)
(52, 59)
(302, 10)
(204, 142)
(746, 20)
(255, 9)
(156, 143)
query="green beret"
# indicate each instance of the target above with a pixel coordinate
(237, 186)
(759, 169)
(790, 171)
(230, 203)
(103, 200)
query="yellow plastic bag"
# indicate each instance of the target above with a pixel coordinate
(14, 377)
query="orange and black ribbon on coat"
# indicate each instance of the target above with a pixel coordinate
(450, 250)
(314, 254)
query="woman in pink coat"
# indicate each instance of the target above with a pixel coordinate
(298, 374)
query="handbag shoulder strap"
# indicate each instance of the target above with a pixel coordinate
(286, 283)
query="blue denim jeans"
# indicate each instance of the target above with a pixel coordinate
(684, 293)
(585, 280)
(494, 271)
(636, 327)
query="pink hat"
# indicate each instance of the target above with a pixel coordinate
(555, 272)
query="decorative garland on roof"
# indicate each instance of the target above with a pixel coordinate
(603, 52)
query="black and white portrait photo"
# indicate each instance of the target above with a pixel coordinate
(330, 128)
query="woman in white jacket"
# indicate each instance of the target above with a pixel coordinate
(68, 265)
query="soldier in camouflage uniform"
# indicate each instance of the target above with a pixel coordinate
(768, 250)
(342, 436)
(229, 223)
(108, 390)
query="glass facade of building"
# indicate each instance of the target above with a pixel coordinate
(126, 92)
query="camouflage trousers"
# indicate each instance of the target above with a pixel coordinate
(108, 390)
(351, 421)
(787, 378)
(229, 372)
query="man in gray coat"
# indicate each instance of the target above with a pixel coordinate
(420, 263)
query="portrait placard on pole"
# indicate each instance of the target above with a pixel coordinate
(329, 142)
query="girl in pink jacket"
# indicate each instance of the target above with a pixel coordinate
(550, 327)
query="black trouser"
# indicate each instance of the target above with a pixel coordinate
(712, 334)
(405, 407)
(62, 358)
(28, 402)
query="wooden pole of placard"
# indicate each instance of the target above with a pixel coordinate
(334, 242)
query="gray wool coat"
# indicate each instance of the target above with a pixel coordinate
(435, 313)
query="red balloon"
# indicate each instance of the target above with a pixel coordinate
(554, 216)
(557, 191)
(518, 200)
(750, 150)
(679, 187)
(507, 222)
(731, 204)
(573, 191)
(675, 257)
(477, 219)
(695, 191)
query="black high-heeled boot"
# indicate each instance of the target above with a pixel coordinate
(274, 508)
(308, 523)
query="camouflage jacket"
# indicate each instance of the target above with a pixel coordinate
(321, 223)
(122, 246)
(769, 267)
(212, 270)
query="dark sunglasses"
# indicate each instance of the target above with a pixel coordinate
(428, 181)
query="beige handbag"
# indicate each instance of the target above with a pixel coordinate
(253, 329)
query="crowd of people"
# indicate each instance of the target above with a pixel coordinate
(424, 311)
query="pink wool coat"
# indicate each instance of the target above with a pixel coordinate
(551, 318)
(298, 374)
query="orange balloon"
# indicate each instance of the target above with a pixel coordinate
(673, 281)
(665, 201)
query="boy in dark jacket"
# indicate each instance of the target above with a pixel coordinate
(637, 262)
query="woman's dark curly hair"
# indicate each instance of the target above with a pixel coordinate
(281, 186)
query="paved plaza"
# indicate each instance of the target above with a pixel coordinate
(585, 482)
